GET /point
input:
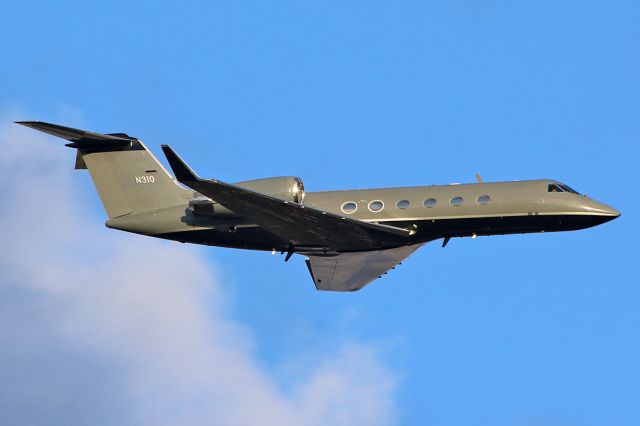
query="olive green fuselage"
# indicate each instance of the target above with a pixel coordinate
(430, 212)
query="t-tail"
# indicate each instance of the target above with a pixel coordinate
(128, 177)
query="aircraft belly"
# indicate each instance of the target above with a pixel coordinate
(431, 229)
(252, 238)
(256, 238)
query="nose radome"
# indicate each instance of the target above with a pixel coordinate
(615, 212)
(599, 208)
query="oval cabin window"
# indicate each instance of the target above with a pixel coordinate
(349, 207)
(376, 206)
(483, 200)
(457, 201)
(430, 202)
(403, 204)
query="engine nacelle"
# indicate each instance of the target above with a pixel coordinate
(288, 188)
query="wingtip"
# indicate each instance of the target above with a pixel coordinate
(168, 151)
(181, 170)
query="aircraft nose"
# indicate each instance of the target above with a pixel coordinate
(601, 209)
(614, 212)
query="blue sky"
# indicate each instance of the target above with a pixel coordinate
(518, 330)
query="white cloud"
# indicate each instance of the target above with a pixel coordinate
(98, 326)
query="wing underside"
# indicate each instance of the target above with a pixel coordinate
(352, 271)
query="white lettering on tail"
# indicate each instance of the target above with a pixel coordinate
(145, 179)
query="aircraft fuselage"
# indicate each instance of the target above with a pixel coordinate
(430, 212)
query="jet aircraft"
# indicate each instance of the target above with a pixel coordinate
(349, 237)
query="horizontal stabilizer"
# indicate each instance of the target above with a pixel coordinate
(81, 139)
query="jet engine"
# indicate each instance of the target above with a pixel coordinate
(288, 188)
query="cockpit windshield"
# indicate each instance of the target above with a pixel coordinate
(569, 189)
(559, 187)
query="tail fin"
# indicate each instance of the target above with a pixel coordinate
(128, 177)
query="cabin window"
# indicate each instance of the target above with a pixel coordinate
(430, 202)
(554, 188)
(403, 204)
(349, 207)
(376, 206)
(457, 201)
(483, 200)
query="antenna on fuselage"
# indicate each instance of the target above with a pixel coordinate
(479, 178)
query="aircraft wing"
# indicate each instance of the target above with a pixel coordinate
(352, 271)
(304, 228)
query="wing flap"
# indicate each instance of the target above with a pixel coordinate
(352, 271)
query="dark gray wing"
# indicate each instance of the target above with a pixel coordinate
(352, 271)
(305, 228)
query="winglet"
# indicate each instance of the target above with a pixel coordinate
(183, 172)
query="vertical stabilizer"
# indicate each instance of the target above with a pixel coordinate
(128, 177)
